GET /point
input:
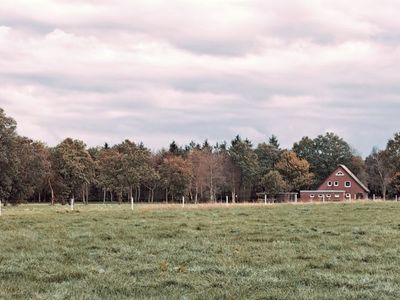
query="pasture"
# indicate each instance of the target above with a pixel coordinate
(313, 251)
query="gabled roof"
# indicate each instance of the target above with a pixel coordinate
(354, 177)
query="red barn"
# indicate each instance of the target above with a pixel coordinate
(342, 184)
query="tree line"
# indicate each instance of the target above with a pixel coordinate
(32, 171)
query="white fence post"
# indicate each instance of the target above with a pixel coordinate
(72, 203)
(295, 198)
(131, 202)
(183, 201)
(227, 200)
(323, 198)
(265, 199)
(373, 197)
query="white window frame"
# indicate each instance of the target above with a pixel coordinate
(345, 183)
(320, 196)
(336, 183)
(328, 195)
(340, 173)
(348, 195)
(337, 195)
(311, 195)
(329, 183)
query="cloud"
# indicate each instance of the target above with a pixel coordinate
(155, 71)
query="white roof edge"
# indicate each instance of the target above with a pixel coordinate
(354, 177)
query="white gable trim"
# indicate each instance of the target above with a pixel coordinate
(354, 177)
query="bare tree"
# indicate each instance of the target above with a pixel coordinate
(379, 170)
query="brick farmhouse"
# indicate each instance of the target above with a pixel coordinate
(341, 185)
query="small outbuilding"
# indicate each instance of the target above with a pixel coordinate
(277, 198)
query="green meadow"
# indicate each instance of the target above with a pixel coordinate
(314, 251)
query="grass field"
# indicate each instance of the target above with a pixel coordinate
(330, 251)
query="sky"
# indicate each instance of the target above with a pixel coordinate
(157, 71)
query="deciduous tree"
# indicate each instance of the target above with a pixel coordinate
(295, 171)
(380, 171)
(274, 183)
(74, 165)
(324, 154)
(175, 174)
(8, 160)
(33, 168)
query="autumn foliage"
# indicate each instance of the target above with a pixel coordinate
(32, 171)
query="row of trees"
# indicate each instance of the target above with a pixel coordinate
(30, 170)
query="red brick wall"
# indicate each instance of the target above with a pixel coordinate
(319, 196)
(356, 191)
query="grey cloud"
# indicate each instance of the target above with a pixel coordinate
(153, 75)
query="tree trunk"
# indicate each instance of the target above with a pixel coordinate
(112, 196)
(130, 193)
(120, 197)
(40, 198)
(104, 196)
(87, 193)
(152, 195)
(139, 192)
(52, 193)
(166, 195)
(384, 192)
(211, 186)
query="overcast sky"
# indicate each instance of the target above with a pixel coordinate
(157, 71)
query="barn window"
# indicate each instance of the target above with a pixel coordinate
(329, 195)
(311, 195)
(320, 196)
(336, 183)
(329, 183)
(340, 173)
(348, 195)
(347, 184)
(337, 196)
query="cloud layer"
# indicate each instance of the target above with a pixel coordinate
(154, 71)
